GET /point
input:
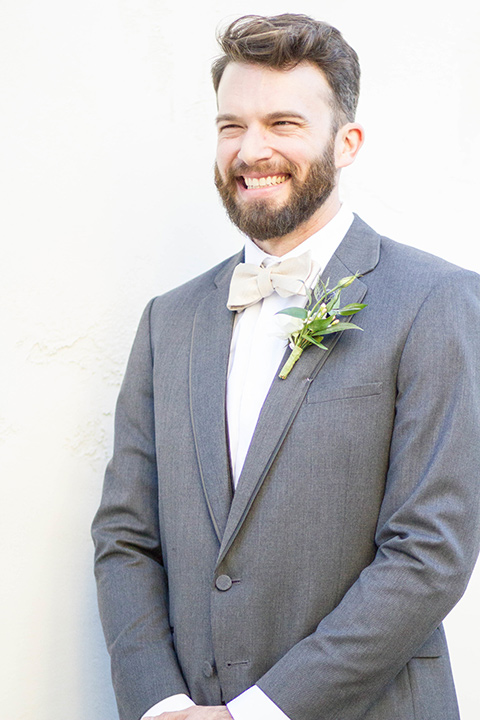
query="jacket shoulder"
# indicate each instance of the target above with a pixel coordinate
(400, 257)
(417, 261)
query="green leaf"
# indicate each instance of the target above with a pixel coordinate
(317, 343)
(351, 309)
(340, 327)
(318, 325)
(294, 312)
(334, 302)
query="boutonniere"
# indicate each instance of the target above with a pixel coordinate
(308, 326)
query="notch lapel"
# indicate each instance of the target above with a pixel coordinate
(358, 253)
(211, 337)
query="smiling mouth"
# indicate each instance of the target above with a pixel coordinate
(252, 183)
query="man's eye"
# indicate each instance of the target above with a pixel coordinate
(285, 124)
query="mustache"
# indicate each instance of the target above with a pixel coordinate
(265, 168)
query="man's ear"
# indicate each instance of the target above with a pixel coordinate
(348, 141)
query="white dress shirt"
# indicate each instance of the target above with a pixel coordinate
(255, 355)
(256, 351)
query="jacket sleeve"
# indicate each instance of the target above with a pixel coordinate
(131, 580)
(428, 529)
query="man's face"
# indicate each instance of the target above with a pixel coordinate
(275, 163)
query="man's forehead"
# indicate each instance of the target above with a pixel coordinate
(254, 71)
(253, 82)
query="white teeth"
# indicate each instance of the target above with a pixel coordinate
(253, 183)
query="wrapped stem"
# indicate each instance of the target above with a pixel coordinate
(291, 360)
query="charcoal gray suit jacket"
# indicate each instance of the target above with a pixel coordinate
(353, 530)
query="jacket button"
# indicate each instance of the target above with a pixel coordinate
(223, 582)
(208, 670)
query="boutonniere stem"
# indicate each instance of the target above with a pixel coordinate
(304, 327)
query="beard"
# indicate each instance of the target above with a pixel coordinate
(262, 221)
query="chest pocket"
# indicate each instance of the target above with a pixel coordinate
(319, 393)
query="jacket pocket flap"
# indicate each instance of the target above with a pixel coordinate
(319, 393)
(434, 647)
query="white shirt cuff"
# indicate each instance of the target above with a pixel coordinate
(169, 704)
(253, 704)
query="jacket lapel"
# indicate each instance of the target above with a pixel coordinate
(212, 331)
(358, 253)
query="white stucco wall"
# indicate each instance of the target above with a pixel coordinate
(106, 147)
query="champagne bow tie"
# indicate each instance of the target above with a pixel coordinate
(251, 283)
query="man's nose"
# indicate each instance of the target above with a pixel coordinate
(254, 147)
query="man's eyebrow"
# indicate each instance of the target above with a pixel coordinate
(225, 117)
(280, 114)
(277, 115)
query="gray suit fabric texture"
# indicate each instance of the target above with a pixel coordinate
(324, 578)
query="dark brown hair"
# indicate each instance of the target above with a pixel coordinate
(283, 41)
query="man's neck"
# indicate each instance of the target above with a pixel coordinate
(281, 245)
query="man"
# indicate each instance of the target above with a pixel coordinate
(275, 548)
